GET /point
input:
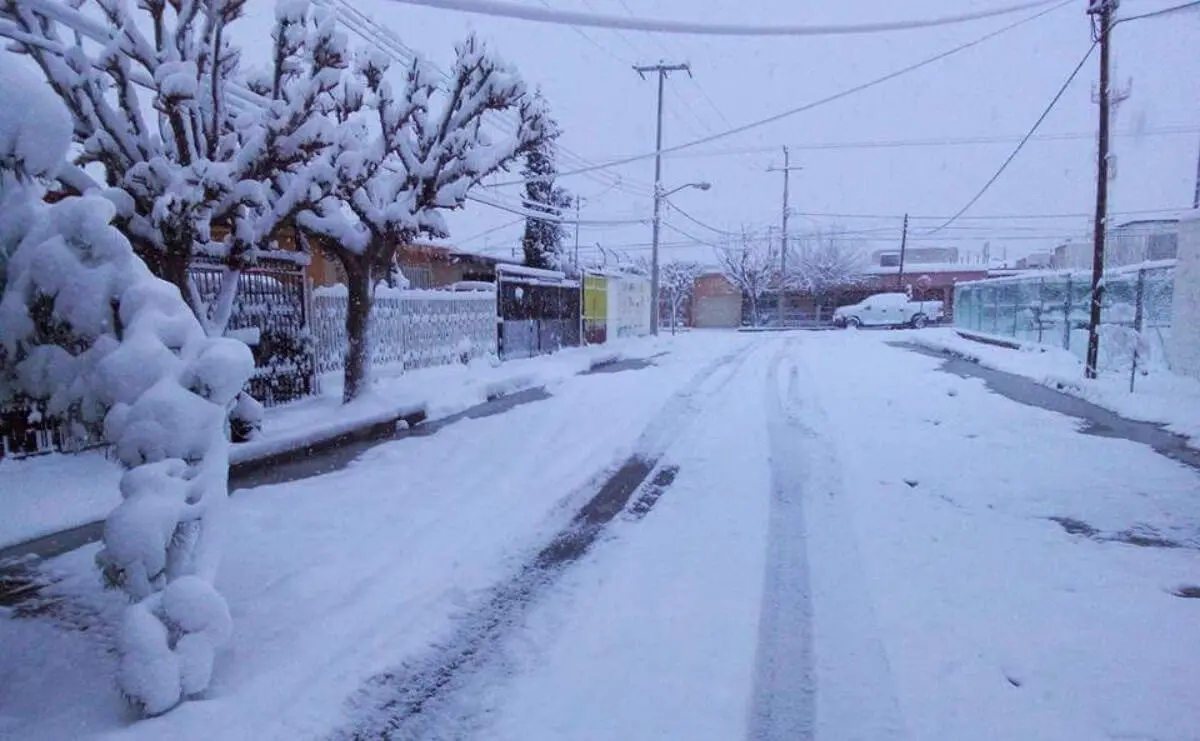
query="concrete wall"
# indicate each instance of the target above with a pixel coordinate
(1185, 308)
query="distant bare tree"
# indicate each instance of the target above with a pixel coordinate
(747, 260)
(678, 282)
(828, 262)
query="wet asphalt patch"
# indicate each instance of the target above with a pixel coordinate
(653, 491)
(1097, 420)
(1142, 536)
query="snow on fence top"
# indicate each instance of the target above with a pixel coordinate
(554, 276)
(339, 290)
(1073, 272)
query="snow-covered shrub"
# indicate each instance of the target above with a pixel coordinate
(85, 326)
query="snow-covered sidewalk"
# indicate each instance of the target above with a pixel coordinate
(46, 494)
(1159, 396)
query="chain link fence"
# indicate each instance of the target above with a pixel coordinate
(1055, 309)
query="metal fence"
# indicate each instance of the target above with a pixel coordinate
(408, 329)
(538, 317)
(1055, 309)
(270, 314)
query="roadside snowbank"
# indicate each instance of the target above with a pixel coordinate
(440, 391)
(1159, 396)
(49, 493)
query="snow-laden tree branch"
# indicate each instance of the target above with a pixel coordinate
(86, 328)
(202, 176)
(748, 261)
(401, 158)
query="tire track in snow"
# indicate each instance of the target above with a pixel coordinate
(783, 705)
(824, 671)
(433, 696)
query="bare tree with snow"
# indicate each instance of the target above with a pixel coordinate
(748, 261)
(86, 328)
(402, 158)
(827, 261)
(677, 281)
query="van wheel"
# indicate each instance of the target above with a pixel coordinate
(920, 321)
(853, 323)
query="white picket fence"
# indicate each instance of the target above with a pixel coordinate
(408, 329)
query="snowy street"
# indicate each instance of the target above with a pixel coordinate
(763, 536)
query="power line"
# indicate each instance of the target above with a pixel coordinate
(1158, 13)
(381, 36)
(548, 216)
(808, 106)
(503, 9)
(1004, 165)
(943, 142)
(493, 230)
(1142, 212)
(699, 223)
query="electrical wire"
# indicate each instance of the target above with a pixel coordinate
(1157, 13)
(1004, 165)
(811, 105)
(944, 142)
(386, 41)
(837, 215)
(545, 216)
(503, 9)
(698, 222)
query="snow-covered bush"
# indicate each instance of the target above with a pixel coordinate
(87, 328)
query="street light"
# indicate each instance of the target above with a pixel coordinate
(659, 196)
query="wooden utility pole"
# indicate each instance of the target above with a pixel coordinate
(1196, 194)
(903, 248)
(578, 203)
(662, 70)
(783, 253)
(1101, 12)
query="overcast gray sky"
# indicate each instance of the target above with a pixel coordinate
(997, 89)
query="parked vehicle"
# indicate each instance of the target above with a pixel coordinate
(889, 310)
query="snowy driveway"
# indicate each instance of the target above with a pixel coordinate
(843, 543)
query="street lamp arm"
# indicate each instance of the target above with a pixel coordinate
(685, 186)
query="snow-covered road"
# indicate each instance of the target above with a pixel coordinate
(834, 540)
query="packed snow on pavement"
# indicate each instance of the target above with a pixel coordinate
(836, 540)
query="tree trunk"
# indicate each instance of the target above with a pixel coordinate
(358, 313)
(753, 311)
(174, 269)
